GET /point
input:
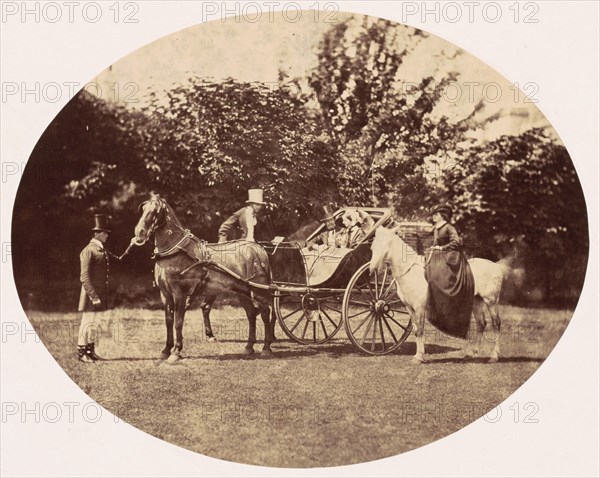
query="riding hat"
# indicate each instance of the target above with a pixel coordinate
(255, 196)
(327, 214)
(442, 209)
(100, 223)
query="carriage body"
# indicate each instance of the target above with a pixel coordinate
(318, 293)
(292, 265)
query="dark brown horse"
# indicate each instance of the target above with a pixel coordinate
(186, 266)
(299, 238)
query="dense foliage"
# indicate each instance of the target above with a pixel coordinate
(354, 138)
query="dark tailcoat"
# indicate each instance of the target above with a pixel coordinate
(235, 227)
(94, 262)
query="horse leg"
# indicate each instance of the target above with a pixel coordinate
(180, 305)
(265, 315)
(169, 320)
(493, 308)
(419, 317)
(472, 348)
(251, 314)
(206, 307)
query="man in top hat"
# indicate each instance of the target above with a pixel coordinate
(242, 224)
(330, 236)
(94, 261)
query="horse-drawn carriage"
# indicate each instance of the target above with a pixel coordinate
(314, 292)
(317, 292)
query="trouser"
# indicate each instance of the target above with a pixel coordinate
(89, 328)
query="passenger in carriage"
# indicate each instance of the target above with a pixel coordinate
(330, 236)
(357, 224)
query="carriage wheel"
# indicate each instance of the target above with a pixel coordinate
(309, 318)
(375, 319)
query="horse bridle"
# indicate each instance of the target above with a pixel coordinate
(155, 225)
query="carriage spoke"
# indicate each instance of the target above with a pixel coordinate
(374, 335)
(361, 324)
(314, 327)
(376, 286)
(395, 301)
(398, 311)
(296, 324)
(367, 329)
(395, 321)
(359, 313)
(381, 332)
(305, 328)
(371, 290)
(330, 319)
(291, 313)
(384, 279)
(324, 330)
(332, 308)
(390, 288)
(370, 299)
(356, 302)
(389, 329)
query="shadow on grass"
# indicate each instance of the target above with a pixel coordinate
(484, 360)
(338, 350)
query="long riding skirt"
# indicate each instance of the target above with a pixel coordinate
(451, 290)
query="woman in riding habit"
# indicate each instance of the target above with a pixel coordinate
(451, 285)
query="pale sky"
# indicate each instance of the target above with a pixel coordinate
(250, 51)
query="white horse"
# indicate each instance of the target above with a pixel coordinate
(408, 269)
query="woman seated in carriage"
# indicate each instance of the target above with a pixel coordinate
(356, 225)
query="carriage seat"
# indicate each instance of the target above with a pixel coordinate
(322, 262)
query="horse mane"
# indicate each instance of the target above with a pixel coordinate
(397, 233)
(170, 213)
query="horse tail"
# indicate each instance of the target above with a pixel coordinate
(513, 278)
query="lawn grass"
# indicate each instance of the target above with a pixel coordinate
(305, 407)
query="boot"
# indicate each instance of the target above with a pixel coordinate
(91, 351)
(83, 355)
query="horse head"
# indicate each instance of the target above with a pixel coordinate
(153, 213)
(380, 248)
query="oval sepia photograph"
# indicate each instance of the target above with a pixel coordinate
(300, 242)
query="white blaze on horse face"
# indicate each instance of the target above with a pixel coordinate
(142, 228)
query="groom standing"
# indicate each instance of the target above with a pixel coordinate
(93, 299)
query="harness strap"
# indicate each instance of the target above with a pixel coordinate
(175, 248)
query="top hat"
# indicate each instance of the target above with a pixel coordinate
(442, 209)
(100, 223)
(255, 196)
(327, 214)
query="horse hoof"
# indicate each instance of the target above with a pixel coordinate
(173, 359)
(248, 351)
(212, 339)
(266, 353)
(417, 360)
(493, 360)
(164, 356)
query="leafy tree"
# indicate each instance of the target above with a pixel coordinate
(216, 140)
(383, 134)
(520, 195)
